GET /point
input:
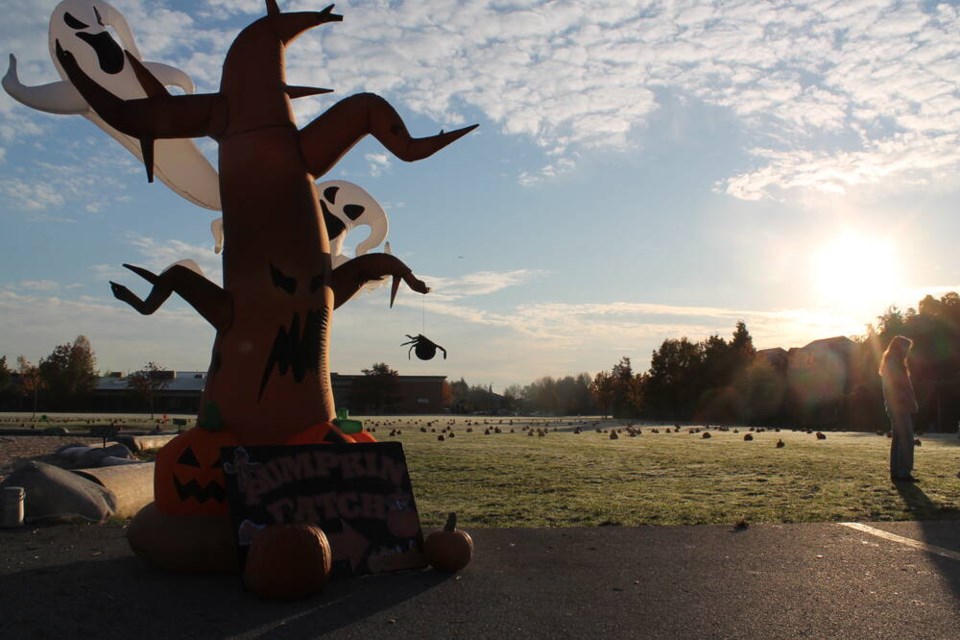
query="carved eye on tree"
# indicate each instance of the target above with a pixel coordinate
(426, 349)
(283, 281)
(189, 478)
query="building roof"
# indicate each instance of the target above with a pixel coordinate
(180, 381)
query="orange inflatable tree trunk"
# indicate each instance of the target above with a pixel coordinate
(269, 377)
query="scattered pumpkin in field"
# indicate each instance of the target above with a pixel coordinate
(449, 549)
(288, 561)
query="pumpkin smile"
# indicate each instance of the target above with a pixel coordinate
(199, 492)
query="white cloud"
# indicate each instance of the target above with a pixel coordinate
(176, 337)
(377, 162)
(157, 255)
(481, 283)
(821, 88)
(38, 285)
(30, 196)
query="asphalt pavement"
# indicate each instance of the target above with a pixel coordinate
(876, 580)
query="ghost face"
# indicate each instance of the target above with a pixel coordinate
(345, 206)
(81, 27)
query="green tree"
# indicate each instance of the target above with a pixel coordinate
(673, 386)
(603, 390)
(69, 373)
(628, 390)
(149, 382)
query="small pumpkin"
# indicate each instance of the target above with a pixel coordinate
(288, 561)
(449, 549)
(188, 477)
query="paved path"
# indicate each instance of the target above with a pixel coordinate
(886, 580)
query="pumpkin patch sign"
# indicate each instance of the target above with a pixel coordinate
(359, 495)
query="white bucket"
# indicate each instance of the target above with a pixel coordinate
(11, 510)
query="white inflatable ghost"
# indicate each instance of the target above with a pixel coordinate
(346, 206)
(80, 26)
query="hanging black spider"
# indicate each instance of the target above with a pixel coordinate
(426, 348)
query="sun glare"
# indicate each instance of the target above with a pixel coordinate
(858, 273)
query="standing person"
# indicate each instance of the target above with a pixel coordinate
(901, 403)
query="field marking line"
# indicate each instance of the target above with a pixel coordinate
(909, 542)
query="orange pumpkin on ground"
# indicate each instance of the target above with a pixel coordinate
(449, 549)
(188, 479)
(288, 561)
(183, 544)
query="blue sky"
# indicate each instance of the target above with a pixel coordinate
(642, 171)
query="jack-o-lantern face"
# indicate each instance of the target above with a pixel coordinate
(188, 479)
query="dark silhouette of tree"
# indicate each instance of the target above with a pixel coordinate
(31, 381)
(673, 385)
(378, 389)
(5, 376)
(149, 382)
(603, 391)
(628, 390)
(460, 391)
(69, 373)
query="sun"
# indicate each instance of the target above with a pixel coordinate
(856, 272)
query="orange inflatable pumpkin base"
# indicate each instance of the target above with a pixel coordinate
(187, 528)
(183, 544)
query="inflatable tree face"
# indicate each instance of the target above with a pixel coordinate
(269, 379)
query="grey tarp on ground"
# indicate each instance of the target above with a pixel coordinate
(53, 494)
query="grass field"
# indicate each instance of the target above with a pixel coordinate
(566, 479)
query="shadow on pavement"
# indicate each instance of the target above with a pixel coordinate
(924, 509)
(123, 598)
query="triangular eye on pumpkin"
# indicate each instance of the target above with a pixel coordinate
(189, 458)
(188, 479)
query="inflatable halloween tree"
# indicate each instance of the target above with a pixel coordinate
(268, 381)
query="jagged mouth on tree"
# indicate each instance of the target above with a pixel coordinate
(296, 349)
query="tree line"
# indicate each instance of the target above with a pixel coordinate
(718, 380)
(65, 379)
(715, 380)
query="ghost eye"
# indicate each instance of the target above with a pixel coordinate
(353, 211)
(330, 193)
(282, 281)
(73, 23)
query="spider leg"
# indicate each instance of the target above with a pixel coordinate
(410, 350)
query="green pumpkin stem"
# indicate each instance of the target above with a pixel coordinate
(451, 522)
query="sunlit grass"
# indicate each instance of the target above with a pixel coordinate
(565, 479)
